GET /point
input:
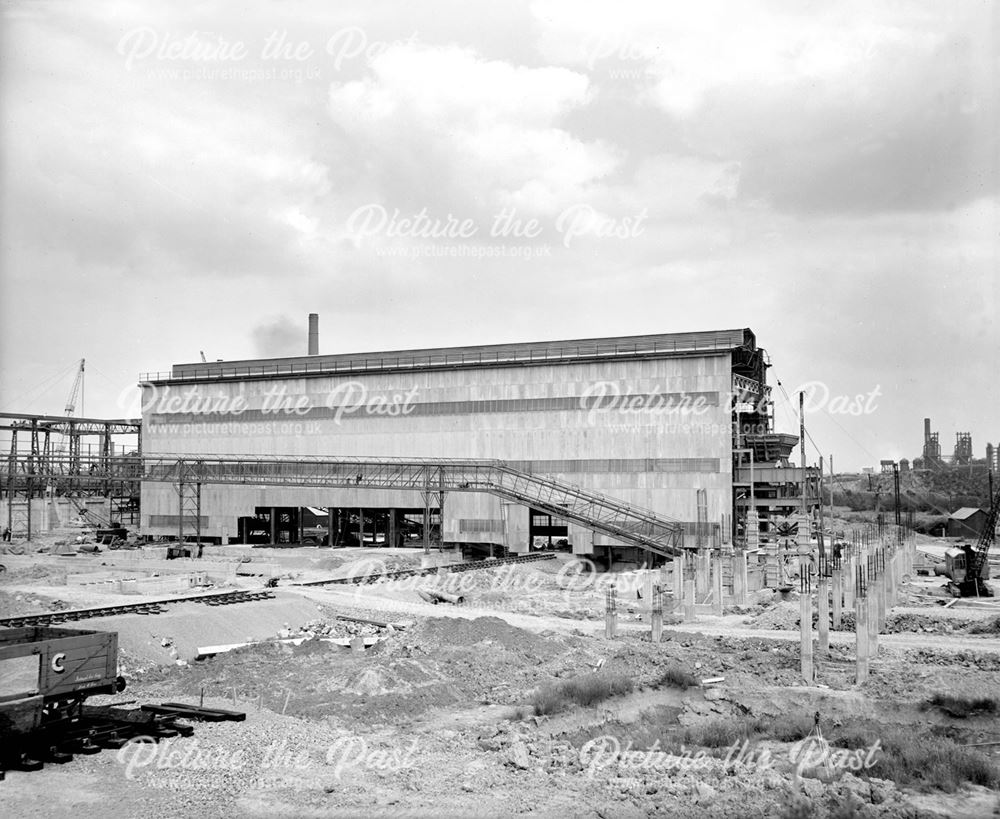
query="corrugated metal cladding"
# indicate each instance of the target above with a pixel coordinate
(643, 418)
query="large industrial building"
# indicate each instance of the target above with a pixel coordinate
(668, 422)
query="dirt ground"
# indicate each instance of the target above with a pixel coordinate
(438, 717)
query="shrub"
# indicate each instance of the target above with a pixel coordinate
(787, 727)
(674, 676)
(587, 689)
(961, 707)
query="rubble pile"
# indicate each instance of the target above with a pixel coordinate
(23, 603)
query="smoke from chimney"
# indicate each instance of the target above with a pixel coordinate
(314, 334)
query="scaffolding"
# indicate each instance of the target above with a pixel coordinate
(47, 458)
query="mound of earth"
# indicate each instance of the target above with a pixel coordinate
(454, 632)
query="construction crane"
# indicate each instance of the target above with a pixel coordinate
(967, 566)
(76, 391)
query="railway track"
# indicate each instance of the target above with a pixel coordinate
(231, 597)
(99, 728)
(475, 565)
(139, 607)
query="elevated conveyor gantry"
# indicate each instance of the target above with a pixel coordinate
(599, 513)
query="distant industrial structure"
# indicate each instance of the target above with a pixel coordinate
(962, 455)
(932, 446)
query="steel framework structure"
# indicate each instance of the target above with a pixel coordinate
(34, 458)
(187, 473)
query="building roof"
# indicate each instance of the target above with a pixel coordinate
(663, 345)
(964, 513)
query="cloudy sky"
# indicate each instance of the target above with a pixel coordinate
(178, 179)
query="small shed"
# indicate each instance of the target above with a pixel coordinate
(967, 522)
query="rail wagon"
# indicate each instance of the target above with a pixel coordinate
(46, 673)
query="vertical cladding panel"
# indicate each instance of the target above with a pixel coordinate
(577, 432)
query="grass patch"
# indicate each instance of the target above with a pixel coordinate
(920, 759)
(587, 689)
(722, 733)
(675, 676)
(917, 759)
(962, 707)
(787, 727)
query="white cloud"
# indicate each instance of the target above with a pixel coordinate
(452, 122)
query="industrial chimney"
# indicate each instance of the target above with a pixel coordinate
(314, 334)
(927, 429)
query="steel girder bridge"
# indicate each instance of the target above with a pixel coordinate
(432, 478)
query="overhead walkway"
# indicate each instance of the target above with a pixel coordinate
(599, 513)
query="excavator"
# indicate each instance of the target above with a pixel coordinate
(967, 566)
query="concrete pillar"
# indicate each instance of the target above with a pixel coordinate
(689, 592)
(861, 640)
(823, 613)
(390, 537)
(740, 582)
(880, 594)
(274, 525)
(717, 584)
(610, 624)
(852, 573)
(805, 626)
(679, 581)
(656, 622)
(903, 571)
(838, 597)
(872, 617)
(330, 527)
(892, 579)
(702, 573)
